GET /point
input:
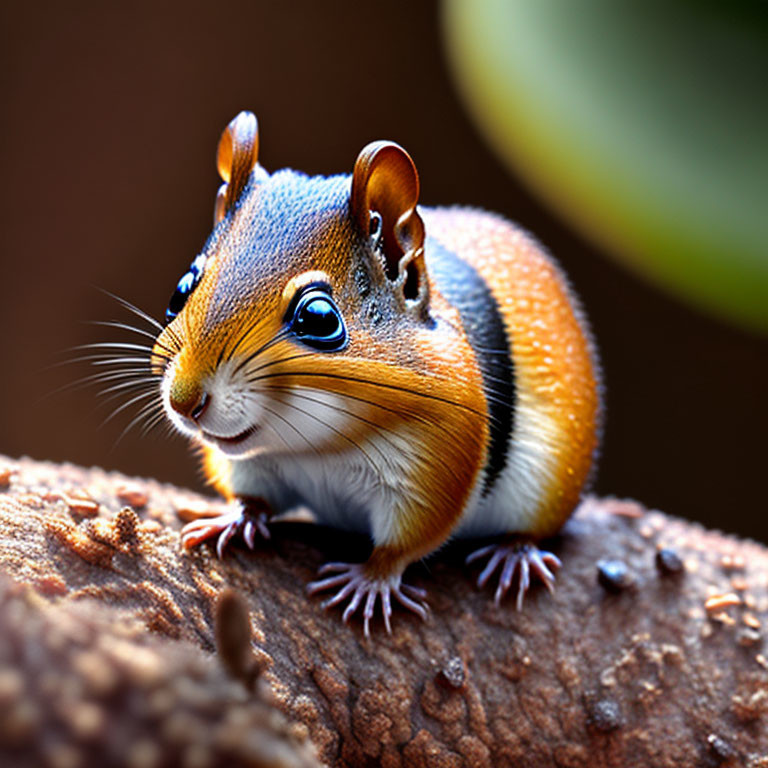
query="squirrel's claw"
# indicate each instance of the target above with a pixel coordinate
(363, 589)
(225, 526)
(521, 559)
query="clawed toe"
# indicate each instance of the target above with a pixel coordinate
(416, 592)
(225, 527)
(540, 563)
(323, 584)
(364, 590)
(479, 553)
(418, 607)
(193, 534)
(515, 560)
(249, 533)
(224, 537)
(333, 568)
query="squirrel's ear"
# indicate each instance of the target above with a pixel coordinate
(236, 157)
(385, 191)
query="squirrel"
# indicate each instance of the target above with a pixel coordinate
(412, 373)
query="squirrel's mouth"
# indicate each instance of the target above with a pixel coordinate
(235, 439)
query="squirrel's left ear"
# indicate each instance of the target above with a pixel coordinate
(236, 156)
(385, 191)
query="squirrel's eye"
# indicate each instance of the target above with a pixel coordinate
(186, 285)
(318, 322)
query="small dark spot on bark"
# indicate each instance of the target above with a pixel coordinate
(452, 674)
(605, 715)
(669, 562)
(614, 575)
(720, 748)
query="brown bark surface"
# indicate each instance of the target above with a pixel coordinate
(108, 644)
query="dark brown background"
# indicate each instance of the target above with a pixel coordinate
(110, 118)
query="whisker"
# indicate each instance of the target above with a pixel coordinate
(263, 348)
(333, 429)
(400, 413)
(287, 423)
(379, 428)
(111, 360)
(102, 358)
(126, 369)
(117, 345)
(123, 373)
(128, 404)
(145, 411)
(140, 331)
(486, 377)
(135, 310)
(124, 327)
(153, 422)
(369, 382)
(131, 354)
(252, 378)
(106, 364)
(228, 354)
(282, 334)
(167, 428)
(250, 374)
(489, 395)
(137, 384)
(106, 400)
(99, 378)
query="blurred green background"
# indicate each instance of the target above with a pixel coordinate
(110, 118)
(645, 124)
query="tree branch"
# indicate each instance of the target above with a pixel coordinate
(646, 666)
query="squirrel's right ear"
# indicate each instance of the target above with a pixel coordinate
(236, 156)
(385, 191)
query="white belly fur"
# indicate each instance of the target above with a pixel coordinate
(344, 491)
(514, 503)
(353, 491)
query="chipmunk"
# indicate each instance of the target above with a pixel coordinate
(412, 373)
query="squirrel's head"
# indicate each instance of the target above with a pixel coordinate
(300, 325)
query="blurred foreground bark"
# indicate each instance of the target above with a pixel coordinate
(108, 644)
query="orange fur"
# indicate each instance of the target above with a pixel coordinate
(554, 358)
(217, 471)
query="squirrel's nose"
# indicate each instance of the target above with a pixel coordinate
(189, 402)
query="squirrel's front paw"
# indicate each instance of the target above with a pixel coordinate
(239, 519)
(362, 588)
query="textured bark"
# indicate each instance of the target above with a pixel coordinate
(642, 668)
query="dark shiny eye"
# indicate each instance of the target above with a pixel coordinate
(318, 322)
(186, 285)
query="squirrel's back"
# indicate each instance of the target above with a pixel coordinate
(539, 366)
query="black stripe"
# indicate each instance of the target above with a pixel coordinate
(466, 290)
